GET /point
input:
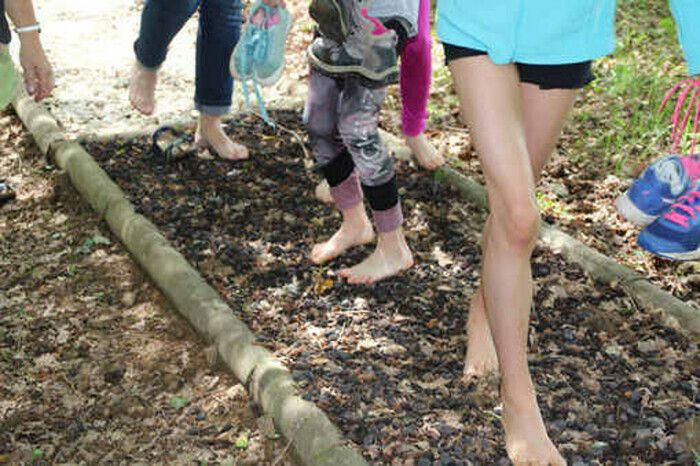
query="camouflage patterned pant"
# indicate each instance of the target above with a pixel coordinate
(343, 116)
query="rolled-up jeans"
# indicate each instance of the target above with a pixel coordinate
(219, 31)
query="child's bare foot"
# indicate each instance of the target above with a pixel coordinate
(426, 154)
(323, 192)
(527, 442)
(481, 357)
(211, 135)
(356, 230)
(142, 89)
(391, 257)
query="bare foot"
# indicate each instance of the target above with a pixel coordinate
(356, 230)
(142, 89)
(211, 135)
(323, 192)
(527, 442)
(481, 357)
(391, 257)
(425, 153)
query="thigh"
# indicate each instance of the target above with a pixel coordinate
(544, 115)
(490, 98)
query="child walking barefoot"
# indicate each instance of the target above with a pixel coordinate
(342, 117)
(415, 79)
(517, 67)
(219, 30)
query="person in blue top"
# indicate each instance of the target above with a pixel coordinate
(517, 66)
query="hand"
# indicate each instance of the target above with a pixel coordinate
(38, 74)
(274, 3)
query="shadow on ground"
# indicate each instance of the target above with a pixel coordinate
(616, 385)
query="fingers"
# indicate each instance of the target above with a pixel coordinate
(31, 80)
(39, 81)
(46, 83)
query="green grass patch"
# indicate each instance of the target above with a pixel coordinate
(616, 123)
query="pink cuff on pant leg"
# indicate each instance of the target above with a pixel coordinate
(389, 220)
(348, 193)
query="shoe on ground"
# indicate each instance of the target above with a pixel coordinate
(676, 234)
(661, 184)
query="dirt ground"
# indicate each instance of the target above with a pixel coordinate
(617, 385)
(95, 367)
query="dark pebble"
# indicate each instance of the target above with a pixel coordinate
(114, 376)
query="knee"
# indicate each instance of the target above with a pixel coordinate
(519, 224)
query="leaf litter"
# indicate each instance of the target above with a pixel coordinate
(95, 368)
(616, 385)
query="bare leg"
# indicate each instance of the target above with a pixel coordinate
(323, 192)
(356, 230)
(142, 89)
(427, 156)
(544, 114)
(491, 101)
(391, 257)
(211, 135)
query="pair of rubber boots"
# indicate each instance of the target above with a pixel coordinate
(353, 43)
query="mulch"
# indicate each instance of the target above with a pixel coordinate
(95, 368)
(616, 385)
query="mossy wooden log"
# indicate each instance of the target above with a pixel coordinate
(315, 441)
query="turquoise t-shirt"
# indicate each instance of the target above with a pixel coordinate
(550, 32)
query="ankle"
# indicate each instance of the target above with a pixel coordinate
(355, 218)
(518, 392)
(209, 122)
(393, 240)
(143, 70)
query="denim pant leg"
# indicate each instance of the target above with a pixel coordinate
(219, 30)
(161, 20)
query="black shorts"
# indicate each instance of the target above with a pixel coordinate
(569, 76)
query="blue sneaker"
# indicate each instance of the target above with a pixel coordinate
(661, 184)
(676, 234)
(251, 51)
(278, 24)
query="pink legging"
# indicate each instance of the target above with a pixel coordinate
(416, 74)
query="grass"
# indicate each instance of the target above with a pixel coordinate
(617, 120)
